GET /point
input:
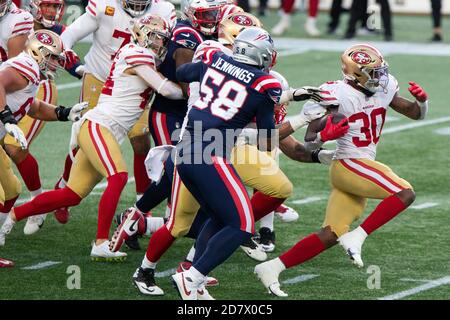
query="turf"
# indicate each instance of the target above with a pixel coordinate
(414, 245)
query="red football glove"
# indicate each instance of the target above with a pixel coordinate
(72, 59)
(418, 92)
(334, 131)
(280, 114)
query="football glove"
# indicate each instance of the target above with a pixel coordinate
(333, 131)
(13, 130)
(73, 114)
(311, 111)
(418, 92)
(72, 63)
(306, 93)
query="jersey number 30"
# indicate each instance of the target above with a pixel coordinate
(225, 99)
(369, 126)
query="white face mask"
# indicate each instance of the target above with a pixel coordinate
(378, 79)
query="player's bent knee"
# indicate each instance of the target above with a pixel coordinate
(141, 144)
(407, 196)
(121, 179)
(286, 190)
(327, 237)
(179, 232)
(16, 154)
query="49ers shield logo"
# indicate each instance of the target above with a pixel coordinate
(361, 57)
(44, 38)
(242, 20)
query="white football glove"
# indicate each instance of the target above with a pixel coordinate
(17, 133)
(311, 111)
(80, 69)
(305, 93)
(76, 110)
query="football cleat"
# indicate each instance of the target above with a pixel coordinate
(352, 243)
(282, 25)
(203, 294)
(34, 223)
(266, 239)
(102, 252)
(269, 277)
(186, 265)
(185, 285)
(4, 263)
(3, 217)
(6, 229)
(62, 215)
(133, 223)
(311, 27)
(286, 214)
(253, 250)
(144, 280)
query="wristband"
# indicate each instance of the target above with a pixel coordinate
(62, 113)
(6, 116)
(423, 108)
(297, 122)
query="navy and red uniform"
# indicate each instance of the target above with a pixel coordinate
(232, 94)
(167, 115)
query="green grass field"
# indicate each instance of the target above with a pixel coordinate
(412, 246)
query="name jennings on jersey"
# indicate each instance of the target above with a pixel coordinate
(234, 71)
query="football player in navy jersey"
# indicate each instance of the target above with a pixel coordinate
(233, 91)
(201, 18)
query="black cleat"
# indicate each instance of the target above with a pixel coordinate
(267, 239)
(144, 280)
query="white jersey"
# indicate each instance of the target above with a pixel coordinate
(366, 117)
(20, 101)
(124, 97)
(110, 25)
(14, 23)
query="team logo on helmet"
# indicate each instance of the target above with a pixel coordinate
(361, 57)
(44, 38)
(242, 20)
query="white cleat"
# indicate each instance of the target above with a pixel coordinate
(3, 217)
(103, 253)
(268, 275)
(282, 25)
(352, 243)
(6, 228)
(144, 280)
(203, 294)
(254, 250)
(34, 223)
(311, 27)
(185, 285)
(286, 214)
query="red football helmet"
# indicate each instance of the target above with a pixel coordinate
(47, 12)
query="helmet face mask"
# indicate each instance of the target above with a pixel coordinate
(5, 7)
(46, 48)
(47, 12)
(152, 32)
(366, 67)
(204, 15)
(136, 8)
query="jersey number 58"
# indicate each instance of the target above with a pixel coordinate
(225, 99)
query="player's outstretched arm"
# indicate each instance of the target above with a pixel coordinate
(44, 111)
(16, 45)
(80, 28)
(295, 150)
(158, 82)
(415, 110)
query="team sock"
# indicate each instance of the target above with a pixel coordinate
(159, 243)
(263, 204)
(29, 171)
(140, 173)
(302, 251)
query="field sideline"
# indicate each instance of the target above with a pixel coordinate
(411, 251)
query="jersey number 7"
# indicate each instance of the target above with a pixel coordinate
(224, 99)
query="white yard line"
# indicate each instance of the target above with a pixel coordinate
(302, 278)
(414, 125)
(443, 131)
(165, 273)
(42, 265)
(306, 200)
(415, 280)
(425, 205)
(427, 286)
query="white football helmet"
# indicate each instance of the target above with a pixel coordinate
(254, 46)
(204, 15)
(5, 7)
(136, 8)
(47, 18)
